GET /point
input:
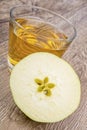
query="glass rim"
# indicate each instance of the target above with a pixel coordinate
(44, 9)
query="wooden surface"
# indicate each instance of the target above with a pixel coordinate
(11, 118)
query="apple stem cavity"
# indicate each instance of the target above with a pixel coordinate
(44, 86)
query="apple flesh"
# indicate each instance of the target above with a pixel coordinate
(65, 95)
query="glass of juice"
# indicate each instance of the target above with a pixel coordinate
(36, 29)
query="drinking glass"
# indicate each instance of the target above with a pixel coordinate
(36, 29)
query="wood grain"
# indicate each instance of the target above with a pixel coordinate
(11, 118)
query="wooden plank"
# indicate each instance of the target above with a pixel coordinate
(64, 7)
(11, 118)
(4, 31)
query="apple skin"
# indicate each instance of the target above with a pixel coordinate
(65, 96)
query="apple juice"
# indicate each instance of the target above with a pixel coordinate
(27, 36)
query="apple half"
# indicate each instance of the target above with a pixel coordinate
(45, 87)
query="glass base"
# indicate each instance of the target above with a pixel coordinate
(10, 66)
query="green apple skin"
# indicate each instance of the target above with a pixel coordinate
(65, 96)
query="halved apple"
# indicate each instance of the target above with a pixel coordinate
(45, 87)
